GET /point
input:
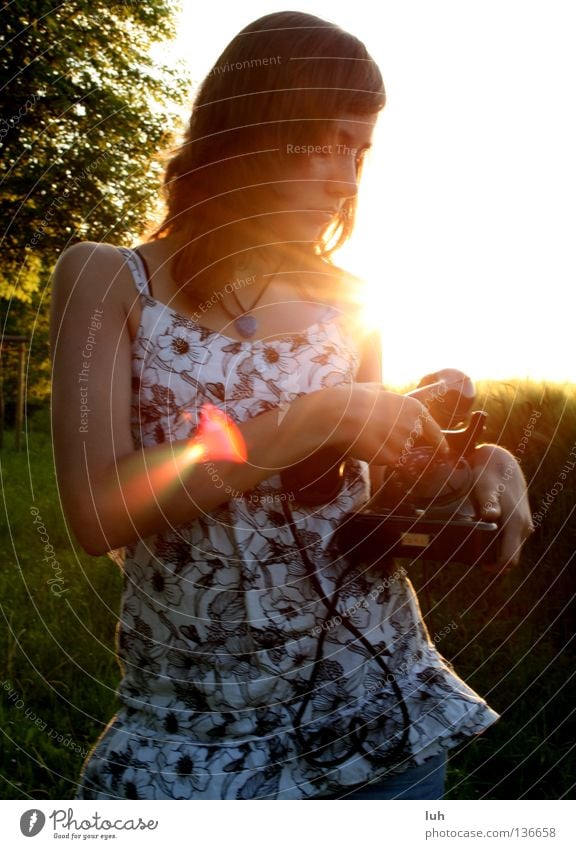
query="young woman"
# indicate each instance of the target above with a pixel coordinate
(258, 663)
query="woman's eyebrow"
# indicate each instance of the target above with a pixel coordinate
(347, 137)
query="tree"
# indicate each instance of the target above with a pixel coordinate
(86, 111)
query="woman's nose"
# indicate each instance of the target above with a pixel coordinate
(344, 177)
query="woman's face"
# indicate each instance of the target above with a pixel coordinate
(318, 176)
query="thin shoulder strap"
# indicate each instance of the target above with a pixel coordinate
(137, 269)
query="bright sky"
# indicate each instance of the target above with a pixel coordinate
(467, 210)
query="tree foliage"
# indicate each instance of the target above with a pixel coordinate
(85, 112)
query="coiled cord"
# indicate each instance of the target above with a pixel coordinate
(358, 729)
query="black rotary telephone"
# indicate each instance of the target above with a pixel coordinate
(424, 508)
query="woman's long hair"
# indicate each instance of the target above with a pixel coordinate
(283, 78)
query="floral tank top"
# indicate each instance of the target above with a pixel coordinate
(245, 676)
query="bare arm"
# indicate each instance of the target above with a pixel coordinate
(114, 493)
(370, 371)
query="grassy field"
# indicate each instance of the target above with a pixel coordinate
(511, 638)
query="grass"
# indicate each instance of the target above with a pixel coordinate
(513, 641)
(59, 671)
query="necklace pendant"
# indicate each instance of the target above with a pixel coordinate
(246, 325)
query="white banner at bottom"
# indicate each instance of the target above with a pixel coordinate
(120, 824)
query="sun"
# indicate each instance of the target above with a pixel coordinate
(443, 298)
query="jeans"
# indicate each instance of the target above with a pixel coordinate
(425, 781)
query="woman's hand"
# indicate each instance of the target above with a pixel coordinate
(501, 496)
(378, 426)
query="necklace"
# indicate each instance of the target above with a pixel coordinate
(245, 323)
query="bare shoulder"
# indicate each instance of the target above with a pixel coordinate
(91, 275)
(89, 256)
(94, 271)
(339, 286)
(349, 296)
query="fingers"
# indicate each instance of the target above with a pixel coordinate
(510, 548)
(411, 425)
(392, 424)
(432, 433)
(408, 425)
(498, 486)
(515, 531)
(487, 501)
(508, 556)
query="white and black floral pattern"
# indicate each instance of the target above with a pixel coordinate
(220, 621)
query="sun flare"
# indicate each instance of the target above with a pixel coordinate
(466, 210)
